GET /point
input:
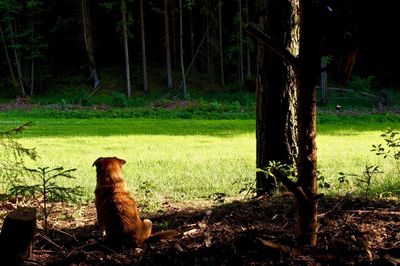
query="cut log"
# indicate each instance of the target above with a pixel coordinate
(17, 235)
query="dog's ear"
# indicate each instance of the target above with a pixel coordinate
(97, 162)
(122, 161)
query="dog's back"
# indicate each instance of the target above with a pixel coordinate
(117, 213)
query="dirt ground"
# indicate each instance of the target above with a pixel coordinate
(253, 232)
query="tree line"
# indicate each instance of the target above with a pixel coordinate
(41, 38)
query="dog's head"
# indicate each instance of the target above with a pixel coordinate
(109, 167)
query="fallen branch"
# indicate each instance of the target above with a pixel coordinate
(275, 246)
(373, 211)
(50, 241)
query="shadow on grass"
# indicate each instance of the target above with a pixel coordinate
(351, 232)
(126, 127)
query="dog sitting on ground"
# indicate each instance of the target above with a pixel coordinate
(117, 213)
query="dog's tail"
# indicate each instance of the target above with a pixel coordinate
(167, 234)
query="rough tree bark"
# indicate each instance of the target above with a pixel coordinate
(241, 67)
(88, 37)
(17, 234)
(167, 46)
(13, 79)
(306, 69)
(221, 48)
(144, 60)
(275, 94)
(181, 48)
(126, 49)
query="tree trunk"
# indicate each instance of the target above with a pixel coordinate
(17, 234)
(248, 59)
(126, 51)
(191, 32)
(307, 69)
(241, 71)
(13, 79)
(87, 36)
(276, 96)
(307, 79)
(181, 48)
(209, 48)
(167, 46)
(14, 35)
(32, 60)
(173, 39)
(221, 49)
(145, 88)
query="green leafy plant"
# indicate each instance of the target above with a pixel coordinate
(218, 197)
(248, 186)
(343, 180)
(146, 188)
(13, 155)
(46, 190)
(366, 178)
(322, 183)
(392, 141)
(119, 99)
(288, 170)
(361, 84)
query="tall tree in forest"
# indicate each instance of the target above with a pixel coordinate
(167, 45)
(241, 67)
(23, 44)
(306, 66)
(144, 60)
(9, 11)
(275, 94)
(181, 48)
(8, 58)
(248, 41)
(88, 38)
(221, 49)
(126, 50)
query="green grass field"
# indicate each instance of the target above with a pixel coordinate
(186, 159)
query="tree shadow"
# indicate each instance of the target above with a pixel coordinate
(351, 231)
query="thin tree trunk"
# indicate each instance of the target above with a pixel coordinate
(145, 88)
(87, 36)
(241, 71)
(32, 61)
(125, 34)
(32, 76)
(181, 47)
(309, 57)
(13, 79)
(248, 59)
(191, 32)
(209, 51)
(167, 46)
(174, 49)
(221, 51)
(17, 61)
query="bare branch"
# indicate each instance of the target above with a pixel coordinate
(252, 29)
(290, 185)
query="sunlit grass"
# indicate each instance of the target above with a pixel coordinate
(175, 159)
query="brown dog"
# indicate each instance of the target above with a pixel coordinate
(117, 213)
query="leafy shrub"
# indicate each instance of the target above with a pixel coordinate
(119, 99)
(361, 84)
(47, 189)
(13, 155)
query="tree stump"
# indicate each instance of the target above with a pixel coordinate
(17, 234)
